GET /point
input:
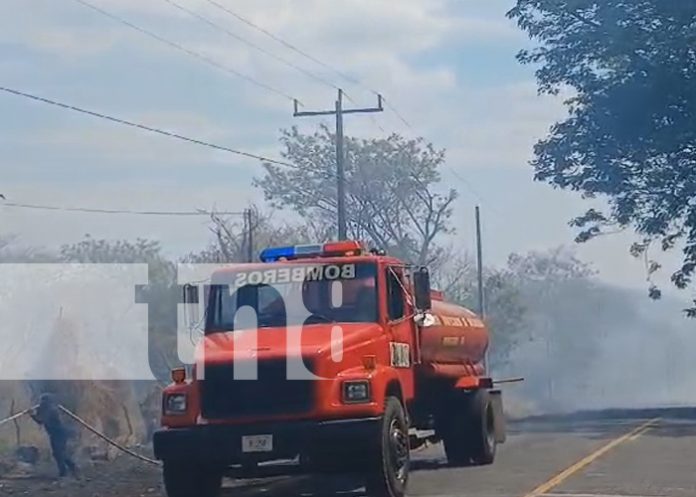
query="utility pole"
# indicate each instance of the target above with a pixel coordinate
(479, 264)
(248, 220)
(339, 111)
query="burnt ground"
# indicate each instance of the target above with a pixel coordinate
(659, 461)
(123, 477)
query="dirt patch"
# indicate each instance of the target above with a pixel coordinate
(122, 477)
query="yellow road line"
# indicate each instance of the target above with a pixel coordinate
(586, 461)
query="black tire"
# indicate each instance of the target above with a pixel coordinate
(389, 460)
(468, 430)
(187, 480)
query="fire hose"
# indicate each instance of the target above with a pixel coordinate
(120, 447)
(88, 427)
(16, 416)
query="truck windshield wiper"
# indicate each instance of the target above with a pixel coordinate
(280, 320)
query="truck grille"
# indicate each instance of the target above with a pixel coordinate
(272, 393)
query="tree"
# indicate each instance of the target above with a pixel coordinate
(558, 332)
(548, 268)
(391, 197)
(231, 237)
(630, 135)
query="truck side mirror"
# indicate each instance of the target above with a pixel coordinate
(421, 287)
(424, 319)
(191, 307)
(190, 294)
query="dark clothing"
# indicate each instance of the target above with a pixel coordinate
(65, 463)
(48, 415)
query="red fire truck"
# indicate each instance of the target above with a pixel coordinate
(339, 358)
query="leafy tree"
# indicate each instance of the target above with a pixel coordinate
(557, 318)
(550, 267)
(630, 136)
(391, 193)
(94, 251)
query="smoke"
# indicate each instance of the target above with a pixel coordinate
(590, 345)
(73, 322)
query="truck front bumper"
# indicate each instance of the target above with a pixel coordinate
(222, 444)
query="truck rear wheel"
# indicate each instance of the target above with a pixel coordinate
(469, 429)
(188, 480)
(390, 461)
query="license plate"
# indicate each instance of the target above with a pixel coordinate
(257, 443)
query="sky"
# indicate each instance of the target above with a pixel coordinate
(447, 66)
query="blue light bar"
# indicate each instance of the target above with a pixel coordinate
(275, 253)
(334, 249)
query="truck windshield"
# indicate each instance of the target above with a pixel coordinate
(293, 294)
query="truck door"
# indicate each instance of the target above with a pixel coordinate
(400, 316)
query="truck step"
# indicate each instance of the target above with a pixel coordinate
(413, 432)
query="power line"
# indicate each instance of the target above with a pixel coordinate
(185, 50)
(345, 76)
(248, 78)
(283, 42)
(144, 127)
(376, 123)
(288, 63)
(396, 112)
(117, 211)
(248, 43)
(372, 118)
(466, 182)
(469, 185)
(309, 56)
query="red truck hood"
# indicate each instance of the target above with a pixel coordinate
(307, 341)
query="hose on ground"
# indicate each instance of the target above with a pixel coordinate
(120, 447)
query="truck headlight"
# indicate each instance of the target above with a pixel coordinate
(175, 403)
(355, 392)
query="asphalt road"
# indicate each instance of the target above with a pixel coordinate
(646, 453)
(628, 453)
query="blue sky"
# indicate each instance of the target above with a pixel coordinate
(448, 66)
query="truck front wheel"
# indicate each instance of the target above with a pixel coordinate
(469, 429)
(390, 461)
(188, 480)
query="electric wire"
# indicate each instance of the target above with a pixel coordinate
(181, 48)
(115, 211)
(309, 56)
(144, 127)
(248, 43)
(282, 41)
